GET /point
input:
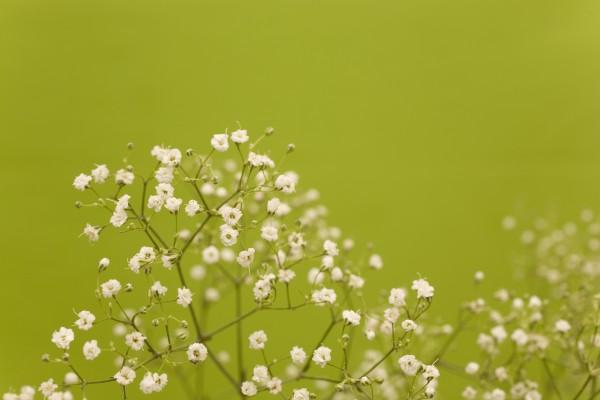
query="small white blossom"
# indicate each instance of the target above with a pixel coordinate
(409, 364)
(423, 288)
(82, 182)
(197, 352)
(85, 321)
(351, 317)
(298, 355)
(239, 136)
(321, 356)
(257, 340)
(91, 350)
(63, 337)
(184, 297)
(100, 173)
(219, 142)
(135, 340)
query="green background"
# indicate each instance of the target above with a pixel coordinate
(421, 122)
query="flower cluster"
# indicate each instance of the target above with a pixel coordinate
(230, 229)
(543, 342)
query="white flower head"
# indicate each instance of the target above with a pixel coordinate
(85, 321)
(63, 338)
(197, 352)
(321, 356)
(351, 317)
(298, 355)
(239, 136)
(219, 142)
(184, 297)
(257, 340)
(91, 350)
(423, 288)
(82, 182)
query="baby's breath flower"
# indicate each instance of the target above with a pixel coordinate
(257, 340)
(219, 142)
(85, 321)
(63, 337)
(351, 317)
(91, 350)
(423, 288)
(184, 297)
(197, 352)
(321, 356)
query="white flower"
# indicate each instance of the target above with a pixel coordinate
(260, 161)
(192, 208)
(231, 215)
(124, 177)
(48, 387)
(337, 274)
(157, 289)
(375, 261)
(397, 297)
(472, 368)
(257, 340)
(228, 235)
(91, 232)
(171, 157)
(153, 382)
(246, 257)
(298, 355)
(499, 333)
(285, 183)
(301, 394)
(82, 182)
(164, 175)
(260, 374)
(408, 325)
(197, 352)
(269, 233)
(469, 393)
(155, 202)
(274, 385)
(324, 296)
(100, 173)
(249, 388)
(211, 255)
(125, 376)
(351, 317)
(119, 217)
(172, 204)
(184, 297)
(321, 356)
(85, 321)
(331, 248)
(135, 340)
(519, 337)
(423, 288)
(391, 314)
(63, 337)
(273, 205)
(110, 288)
(286, 275)
(409, 364)
(497, 394)
(104, 263)
(239, 136)
(562, 326)
(431, 372)
(355, 281)
(219, 142)
(91, 350)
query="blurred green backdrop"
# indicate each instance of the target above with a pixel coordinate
(422, 123)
